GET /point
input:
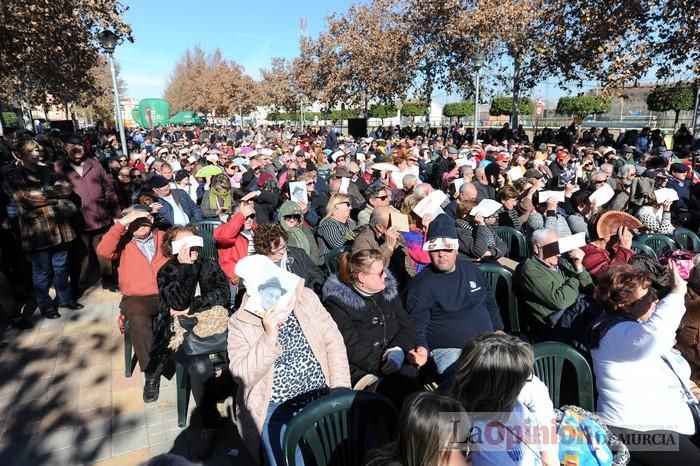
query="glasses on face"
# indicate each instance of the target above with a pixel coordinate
(378, 274)
(122, 160)
(290, 218)
(279, 249)
(136, 175)
(250, 217)
(645, 301)
(382, 198)
(599, 182)
(310, 183)
(343, 203)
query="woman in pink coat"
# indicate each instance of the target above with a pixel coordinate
(282, 362)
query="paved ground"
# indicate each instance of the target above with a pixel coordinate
(64, 399)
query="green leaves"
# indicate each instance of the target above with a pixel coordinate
(584, 105)
(502, 106)
(458, 109)
(664, 99)
(414, 109)
(382, 111)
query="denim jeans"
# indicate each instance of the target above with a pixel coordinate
(445, 359)
(43, 262)
(276, 420)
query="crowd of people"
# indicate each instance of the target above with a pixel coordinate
(387, 234)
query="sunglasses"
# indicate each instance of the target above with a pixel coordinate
(293, 217)
(599, 182)
(646, 300)
(250, 217)
(122, 160)
(382, 198)
(345, 203)
(310, 183)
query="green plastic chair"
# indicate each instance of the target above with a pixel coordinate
(129, 356)
(205, 229)
(183, 388)
(638, 247)
(659, 243)
(339, 429)
(686, 239)
(494, 273)
(509, 235)
(182, 378)
(332, 259)
(549, 364)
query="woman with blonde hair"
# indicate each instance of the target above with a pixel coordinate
(336, 228)
(364, 301)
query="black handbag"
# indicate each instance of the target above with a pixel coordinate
(194, 345)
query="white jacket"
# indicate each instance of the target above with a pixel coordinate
(636, 388)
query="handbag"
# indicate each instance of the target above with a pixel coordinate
(206, 332)
(65, 208)
(683, 260)
(690, 398)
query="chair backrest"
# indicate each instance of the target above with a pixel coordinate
(549, 365)
(509, 235)
(641, 247)
(659, 243)
(332, 259)
(205, 229)
(494, 273)
(339, 429)
(686, 239)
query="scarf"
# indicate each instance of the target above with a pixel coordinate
(299, 236)
(216, 199)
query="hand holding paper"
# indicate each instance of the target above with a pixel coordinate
(486, 208)
(344, 185)
(665, 194)
(430, 204)
(602, 195)
(544, 196)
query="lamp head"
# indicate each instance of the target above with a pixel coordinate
(108, 40)
(478, 60)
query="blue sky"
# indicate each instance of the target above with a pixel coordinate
(249, 32)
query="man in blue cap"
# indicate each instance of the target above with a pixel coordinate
(685, 209)
(449, 302)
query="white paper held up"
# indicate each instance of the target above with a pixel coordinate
(431, 204)
(602, 195)
(486, 208)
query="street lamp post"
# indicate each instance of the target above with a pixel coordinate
(477, 62)
(109, 41)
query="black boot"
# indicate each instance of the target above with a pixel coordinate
(151, 388)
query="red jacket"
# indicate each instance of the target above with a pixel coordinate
(231, 245)
(137, 276)
(597, 260)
